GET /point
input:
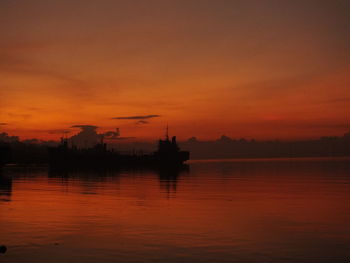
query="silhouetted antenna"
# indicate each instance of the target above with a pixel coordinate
(167, 132)
(65, 134)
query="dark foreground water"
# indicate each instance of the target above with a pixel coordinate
(265, 211)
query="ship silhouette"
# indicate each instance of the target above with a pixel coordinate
(5, 154)
(65, 156)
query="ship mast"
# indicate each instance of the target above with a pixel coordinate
(167, 132)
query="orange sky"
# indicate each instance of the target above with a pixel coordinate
(262, 69)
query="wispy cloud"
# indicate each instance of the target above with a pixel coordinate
(85, 127)
(13, 61)
(137, 117)
(142, 122)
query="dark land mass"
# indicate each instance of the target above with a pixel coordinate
(226, 147)
(36, 152)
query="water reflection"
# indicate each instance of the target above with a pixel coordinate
(5, 188)
(215, 212)
(168, 176)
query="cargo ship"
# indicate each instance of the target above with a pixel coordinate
(64, 156)
(5, 154)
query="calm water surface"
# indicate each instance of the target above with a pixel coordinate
(265, 211)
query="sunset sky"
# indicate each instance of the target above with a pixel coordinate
(261, 69)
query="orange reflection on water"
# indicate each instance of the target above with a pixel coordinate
(250, 211)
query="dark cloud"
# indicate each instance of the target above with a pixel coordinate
(4, 137)
(137, 117)
(89, 137)
(112, 134)
(85, 127)
(3, 123)
(142, 122)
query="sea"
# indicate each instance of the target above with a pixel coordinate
(266, 210)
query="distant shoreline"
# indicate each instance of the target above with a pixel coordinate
(274, 159)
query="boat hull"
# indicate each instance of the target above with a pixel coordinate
(61, 158)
